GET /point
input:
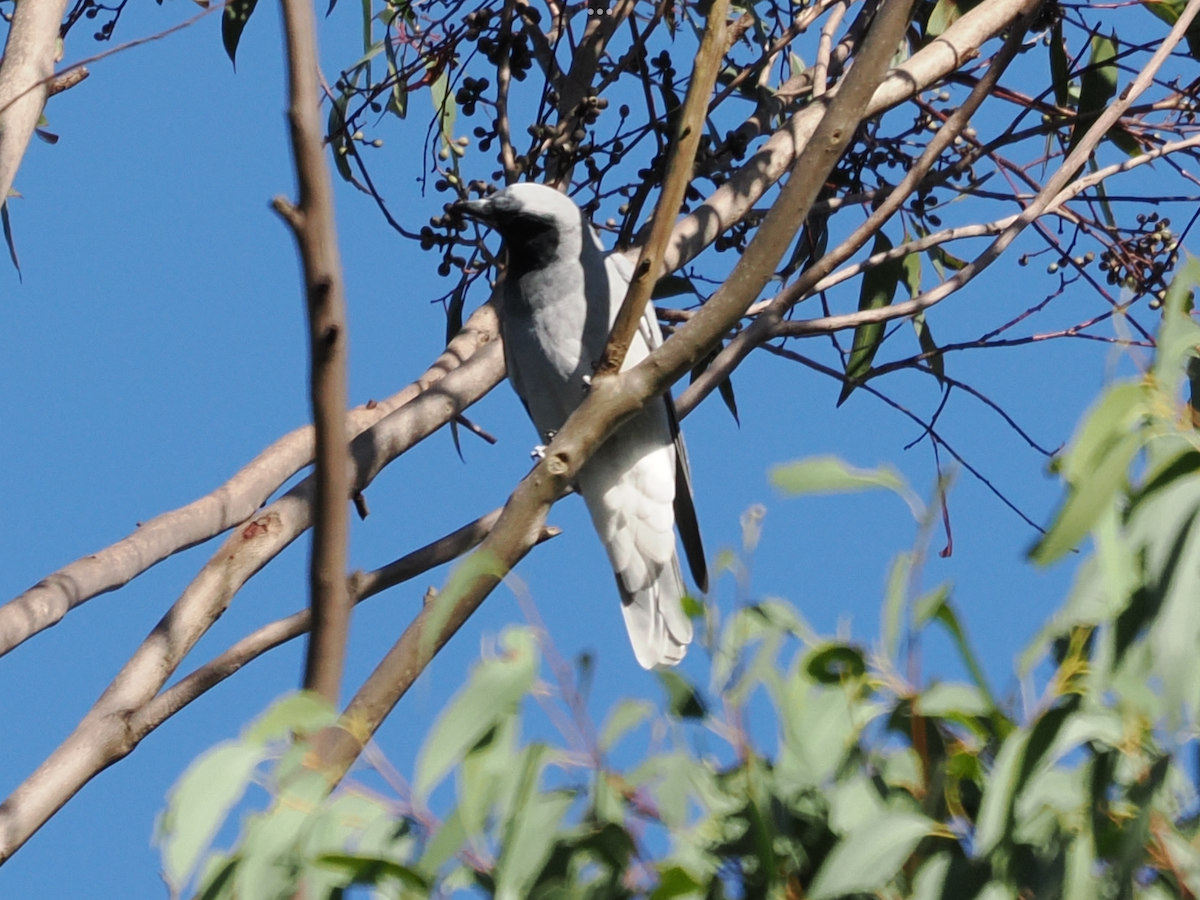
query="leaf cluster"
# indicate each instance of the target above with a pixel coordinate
(871, 780)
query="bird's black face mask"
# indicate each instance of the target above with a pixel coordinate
(531, 238)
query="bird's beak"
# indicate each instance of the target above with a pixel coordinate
(480, 210)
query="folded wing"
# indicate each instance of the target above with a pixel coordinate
(633, 487)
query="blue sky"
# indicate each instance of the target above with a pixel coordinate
(156, 344)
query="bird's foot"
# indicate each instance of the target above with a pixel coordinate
(539, 452)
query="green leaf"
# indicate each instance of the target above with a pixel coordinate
(930, 880)
(675, 882)
(1180, 333)
(893, 604)
(398, 98)
(339, 139)
(878, 290)
(944, 259)
(487, 778)
(1086, 502)
(853, 803)
(625, 716)
(725, 389)
(216, 881)
(1170, 11)
(8, 237)
(372, 870)
(683, 698)
(233, 23)
(673, 286)
(941, 701)
(300, 713)
(935, 360)
(444, 106)
(530, 833)
(1097, 86)
(493, 692)
(1059, 65)
(835, 664)
(198, 804)
(870, 856)
(945, 13)
(446, 842)
(1108, 421)
(1002, 782)
(912, 271)
(830, 475)
(1019, 757)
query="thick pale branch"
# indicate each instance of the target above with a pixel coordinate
(361, 586)
(26, 74)
(614, 399)
(104, 735)
(234, 502)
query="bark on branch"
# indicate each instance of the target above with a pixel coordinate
(611, 401)
(674, 187)
(315, 231)
(104, 734)
(47, 602)
(26, 73)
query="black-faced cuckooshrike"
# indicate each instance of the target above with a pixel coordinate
(559, 299)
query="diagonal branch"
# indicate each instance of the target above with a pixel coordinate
(104, 734)
(611, 401)
(674, 187)
(26, 74)
(45, 604)
(361, 585)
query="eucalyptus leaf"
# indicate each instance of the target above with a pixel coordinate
(869, 857)
(198, 804)
(493, 692)
(878, 290)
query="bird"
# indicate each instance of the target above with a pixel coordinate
(558, 300)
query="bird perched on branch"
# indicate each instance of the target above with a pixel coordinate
(559, 299)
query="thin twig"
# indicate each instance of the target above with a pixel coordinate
(674, 187)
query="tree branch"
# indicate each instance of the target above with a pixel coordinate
(674, 187)
(611, 401)
(762, 328)
(26, 73)
(361, 585)
(104, 735)
(315, 231)
(45, 604)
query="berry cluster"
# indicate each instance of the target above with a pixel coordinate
(1142, 261)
